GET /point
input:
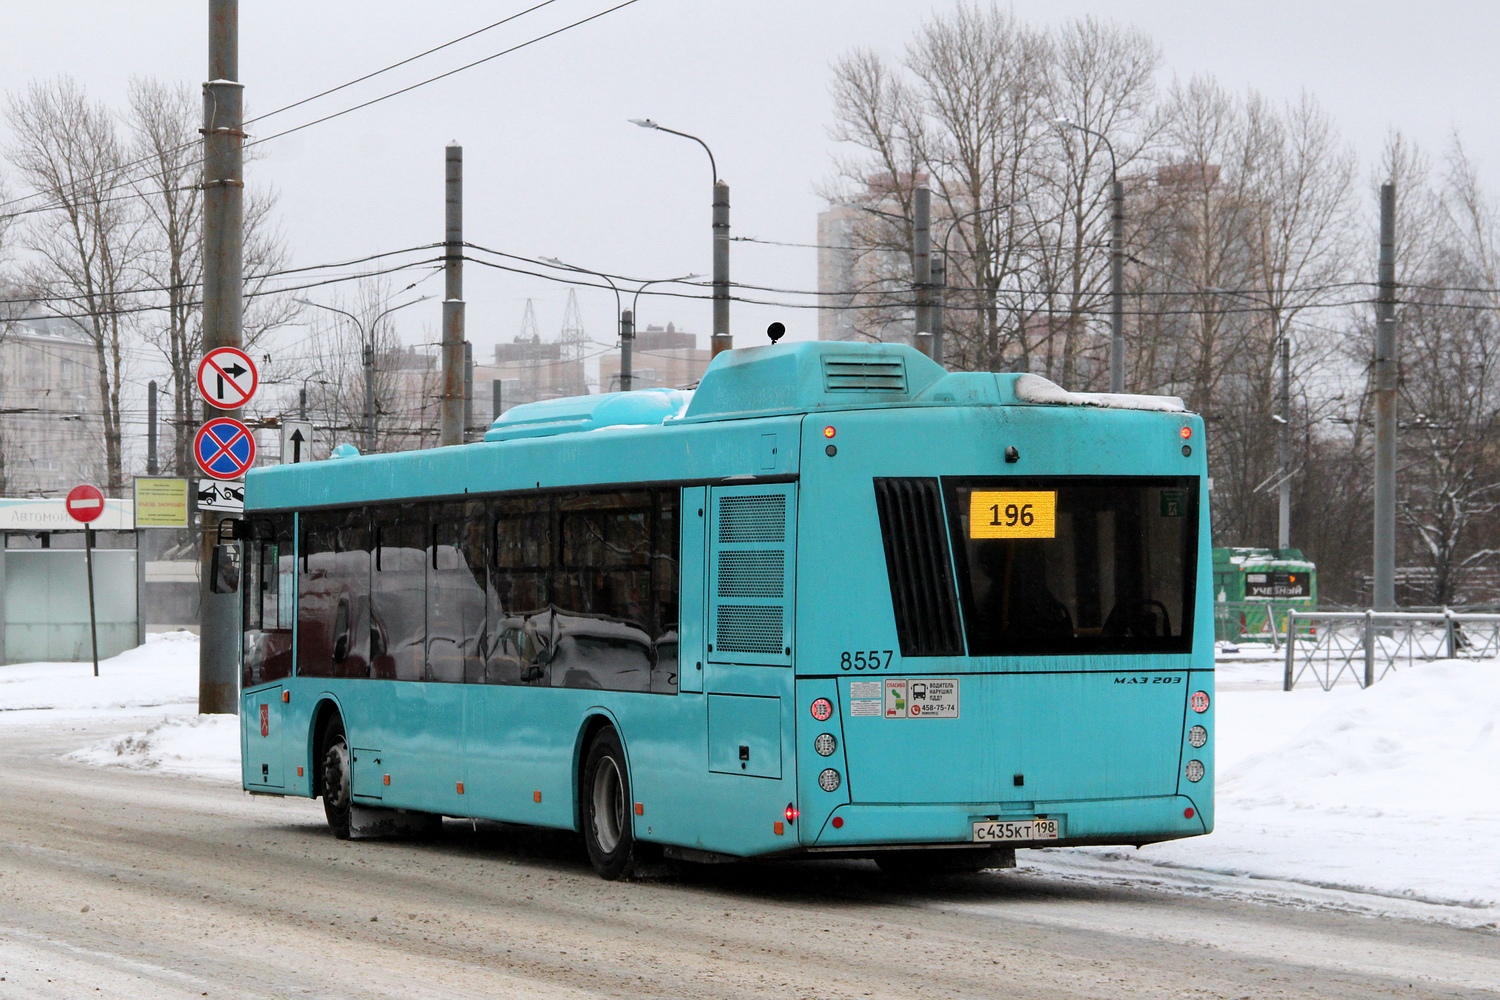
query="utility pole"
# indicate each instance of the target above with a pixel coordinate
(453, 301)
(496, 389)
(223, 283)
(369, 359)
(1284, 443)
(1116, 280)
(1385, 376)
(939, 283)
(627, 347)
(468, 389)
(722, 341)
(921, 267)
(152, 467)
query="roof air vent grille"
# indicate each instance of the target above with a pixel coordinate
(854, 373)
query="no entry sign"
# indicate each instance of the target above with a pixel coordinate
(85, 503)
(227, 378)
(224, 448)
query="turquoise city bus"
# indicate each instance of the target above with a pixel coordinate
(834, 602)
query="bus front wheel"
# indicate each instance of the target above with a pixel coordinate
(605, 810)
(337, 791)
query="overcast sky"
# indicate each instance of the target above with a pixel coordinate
(553, 167)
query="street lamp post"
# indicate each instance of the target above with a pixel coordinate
(302, 395)
(368, 339)
(940, 276)
(722, 341)
(1116, 259)
(620, 329)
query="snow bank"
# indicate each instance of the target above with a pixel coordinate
(162, 673)
(206, 746)
(1390, 794)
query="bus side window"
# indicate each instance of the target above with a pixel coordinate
(456, 593)
(398, 594)
(521, 627)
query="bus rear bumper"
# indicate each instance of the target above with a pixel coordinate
(1081, 823)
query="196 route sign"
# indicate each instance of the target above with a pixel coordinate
(227, 378)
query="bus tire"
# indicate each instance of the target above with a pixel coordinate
(333, 764)
(604, 807)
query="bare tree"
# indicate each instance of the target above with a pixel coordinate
(83, 256)
(163, 122)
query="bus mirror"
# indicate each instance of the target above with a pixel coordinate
(224, 572)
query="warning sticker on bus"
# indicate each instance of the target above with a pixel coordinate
(1013, 514)
(925, 698)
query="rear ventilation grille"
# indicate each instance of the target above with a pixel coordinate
(750, 519)
(750, 629)
(916, 557)
(857, 374)
(750, 573)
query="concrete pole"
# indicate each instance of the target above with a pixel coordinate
(468, 389)
(921, 266)
(722, 341)
(1284, 447)
(627, 348)
(152, 466)
(1117, 286)
(1385, 374)
(369, 357)
(939, 283)
(302, 403)
(452, 426)
(223, 283)
(496, 390)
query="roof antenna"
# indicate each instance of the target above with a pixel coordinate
(775, 331)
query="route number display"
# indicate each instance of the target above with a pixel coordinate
(1013, 514)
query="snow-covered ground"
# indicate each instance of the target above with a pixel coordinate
(1381, 801)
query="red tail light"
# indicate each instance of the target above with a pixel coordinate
(792, 812)
(838, 822)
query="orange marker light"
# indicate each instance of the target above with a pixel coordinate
(386, 779)
(299, 770)
(536, 796)
(829, 432)
(286, 697)
(460, 787)
(1186, 433)
(778, 828)
(640, 808)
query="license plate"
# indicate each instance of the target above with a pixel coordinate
(1000, 831)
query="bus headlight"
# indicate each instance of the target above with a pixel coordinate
(830, 780)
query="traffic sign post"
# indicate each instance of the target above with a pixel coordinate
(227, 378)
(84, 504)
(224, 448)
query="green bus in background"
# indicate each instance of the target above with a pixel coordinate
(1254, 588)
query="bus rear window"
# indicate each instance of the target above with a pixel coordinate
(1063, 566)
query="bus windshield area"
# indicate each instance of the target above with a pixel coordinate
(1060, 566)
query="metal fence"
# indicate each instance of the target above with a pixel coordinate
(1367, 645)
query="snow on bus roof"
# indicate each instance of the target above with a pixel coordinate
(1035, 389)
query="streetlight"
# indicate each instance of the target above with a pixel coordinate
(369, 357)
(1116, 260)
(721, 338)
(623, 327)
(302, 396)
(1282, 478)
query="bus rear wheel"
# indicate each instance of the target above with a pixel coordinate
(334, 772)
(604, 807)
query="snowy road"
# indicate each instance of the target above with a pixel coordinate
(151, 885)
